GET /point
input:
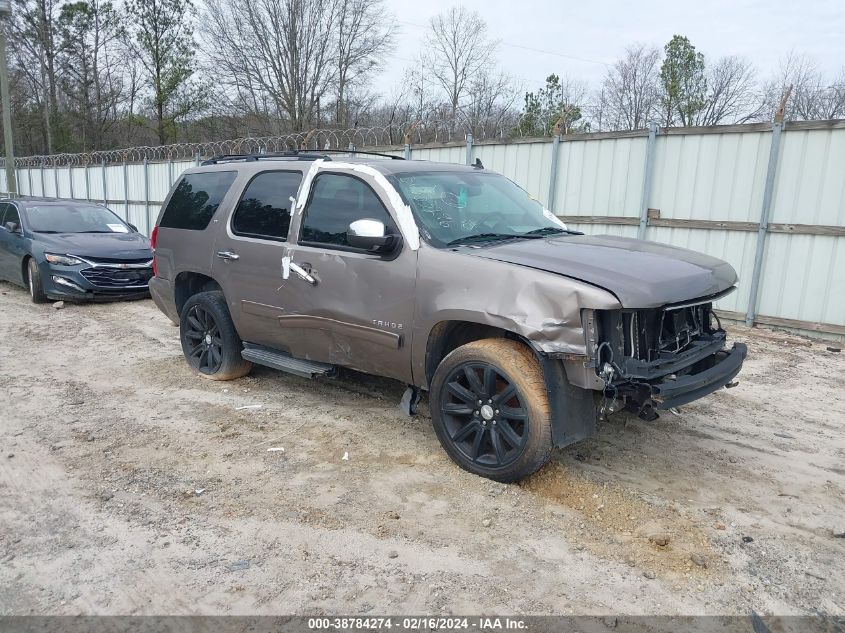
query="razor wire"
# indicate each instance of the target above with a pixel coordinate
(392, 135)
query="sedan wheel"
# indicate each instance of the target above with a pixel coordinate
(33, 282)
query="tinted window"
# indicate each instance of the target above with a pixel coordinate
(264, 209)
(3, 207)
(195, 200)
(336, 201)
(12, 215)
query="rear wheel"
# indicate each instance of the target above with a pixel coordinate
(33, 282)
(491, 411)
(209, 340)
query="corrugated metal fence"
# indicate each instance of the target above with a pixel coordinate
(770, 199)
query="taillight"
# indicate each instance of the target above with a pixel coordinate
(153, 240)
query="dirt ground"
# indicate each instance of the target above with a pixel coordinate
(128, 485)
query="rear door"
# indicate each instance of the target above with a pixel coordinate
(248, 254)
(357, 311)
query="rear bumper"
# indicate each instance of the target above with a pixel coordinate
(161, 290)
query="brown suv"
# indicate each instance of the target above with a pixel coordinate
(447, 277)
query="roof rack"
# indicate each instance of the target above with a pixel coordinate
(293, 154)
(358, 151)
(250, 158)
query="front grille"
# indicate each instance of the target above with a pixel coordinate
(115, 260)
(652, 334)
(648, 333)
(114, 277)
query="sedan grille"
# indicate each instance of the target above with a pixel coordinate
(115, 260)
(115, 277)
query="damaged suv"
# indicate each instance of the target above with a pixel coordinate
(449, 278)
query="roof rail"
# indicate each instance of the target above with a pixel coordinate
(249, 158)
(358, 151)
(293, 154)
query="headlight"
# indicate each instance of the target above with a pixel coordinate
(63, 260)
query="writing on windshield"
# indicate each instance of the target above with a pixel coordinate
(461, 207)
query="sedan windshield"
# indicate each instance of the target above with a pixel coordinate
(74, 218)
(460, 207)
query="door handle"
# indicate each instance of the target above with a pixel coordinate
(227, 255)
(304, 272)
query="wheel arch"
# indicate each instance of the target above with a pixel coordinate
(189, 283)
(447, 336)
(573, 409)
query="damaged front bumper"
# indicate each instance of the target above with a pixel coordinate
(646, 360)
(671, 390)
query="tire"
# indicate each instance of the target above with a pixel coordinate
(34, 283)
(210, 342)
(509, 435)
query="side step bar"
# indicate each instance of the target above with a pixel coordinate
(285, 362)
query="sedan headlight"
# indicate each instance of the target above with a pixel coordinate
(63, 260)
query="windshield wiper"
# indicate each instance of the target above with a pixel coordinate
(550, 230)
(486, 237)
(95, 231)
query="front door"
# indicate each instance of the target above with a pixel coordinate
(12, 245)
(357, 308)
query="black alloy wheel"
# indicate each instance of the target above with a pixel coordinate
(205, 343)
(483, 415)
(490, 409)
(210, 341)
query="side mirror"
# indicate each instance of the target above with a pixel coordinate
(371, 235)
(13, 227)
(133, 227)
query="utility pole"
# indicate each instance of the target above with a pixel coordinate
(5, 101)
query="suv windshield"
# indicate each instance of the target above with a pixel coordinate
(60, 218)
(459, 207)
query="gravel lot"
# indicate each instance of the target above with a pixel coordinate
(130, 486)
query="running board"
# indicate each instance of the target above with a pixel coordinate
(285, 362)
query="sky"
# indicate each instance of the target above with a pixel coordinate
(597, 33)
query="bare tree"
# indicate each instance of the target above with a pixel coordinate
(363, 36)
(813, 96)
(629, 94)
(731, 93)
(490, 109)
(458, 51)
(275, 58)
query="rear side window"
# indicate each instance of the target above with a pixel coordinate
(337, 201)
(195, 200)
(264, 208)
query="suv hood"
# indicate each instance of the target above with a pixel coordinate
(640, 274)
(109, 245)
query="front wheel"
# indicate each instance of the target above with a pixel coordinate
(33, 282)
(209, 340)
(491, 411)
